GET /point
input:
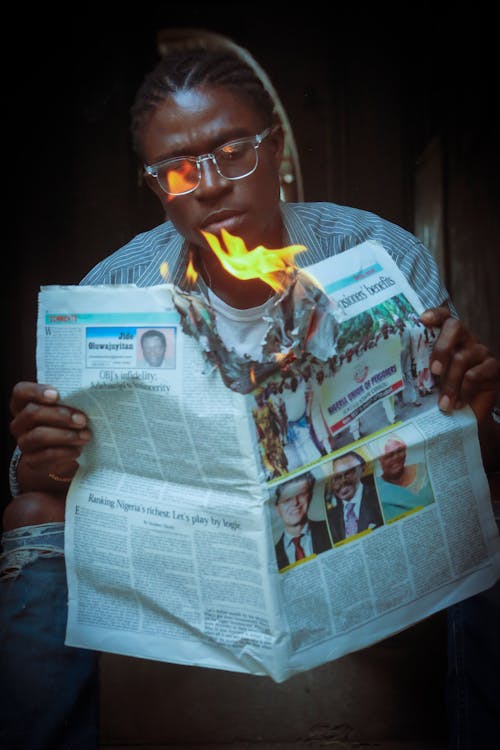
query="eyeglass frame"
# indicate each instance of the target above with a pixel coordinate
(153, 169)
(347, 474)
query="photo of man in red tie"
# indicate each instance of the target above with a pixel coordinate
(301, 537)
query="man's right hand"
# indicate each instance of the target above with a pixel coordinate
(50, 434)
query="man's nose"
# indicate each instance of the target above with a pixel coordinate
(344, 480)
(211, 181)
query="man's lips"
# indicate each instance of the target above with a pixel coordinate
(346, 492)
(222, 219)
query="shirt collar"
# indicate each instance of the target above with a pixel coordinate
(288, 537)
(356, 499)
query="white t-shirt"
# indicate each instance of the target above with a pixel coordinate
(241, 330)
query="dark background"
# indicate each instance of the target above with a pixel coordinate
(394, 112)
(366, 93)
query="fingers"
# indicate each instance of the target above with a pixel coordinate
(435, 316)
(485, 377)
(43, 438)
(466, 369)
(60, 460)
(49, 434)
(56, 416)
(24, 392)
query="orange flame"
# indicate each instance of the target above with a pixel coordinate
(259, 263)
(178, 181)
(191, 272)
(164, 270)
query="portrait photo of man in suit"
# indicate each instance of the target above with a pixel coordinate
(301, 537)
(154, 347)
(352, 503)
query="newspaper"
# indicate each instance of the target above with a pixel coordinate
(175, 544)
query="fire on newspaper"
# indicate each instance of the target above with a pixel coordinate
(269, 515)
(301, 323)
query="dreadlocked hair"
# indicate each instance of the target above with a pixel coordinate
(185, 69)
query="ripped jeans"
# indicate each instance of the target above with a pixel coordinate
(49, 692)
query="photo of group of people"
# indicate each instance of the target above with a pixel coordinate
(354, 494)
(291, 413)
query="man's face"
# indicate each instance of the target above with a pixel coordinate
(192, 123)
(293, 503)
(153, 348)
(393, 459)
(346, 477)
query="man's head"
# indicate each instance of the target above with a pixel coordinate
(347, 472)
(393, 459)
(191, 105)
(292, 502)
(154, 346)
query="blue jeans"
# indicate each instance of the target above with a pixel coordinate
(473, 681)
(49, 692)
(474, 671)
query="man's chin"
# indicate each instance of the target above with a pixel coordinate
(347, 498)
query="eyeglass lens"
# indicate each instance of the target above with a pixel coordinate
(345, 475)
(233, 160)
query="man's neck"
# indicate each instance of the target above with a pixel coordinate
(296, 530)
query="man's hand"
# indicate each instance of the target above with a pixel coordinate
(466, 370)
(50, 434)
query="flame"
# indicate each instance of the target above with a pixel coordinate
(259, 263)
(281, 357)
(164, 270)
(253, 379)
(178, 182)
(191, 272)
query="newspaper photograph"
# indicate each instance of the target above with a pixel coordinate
(263, 516)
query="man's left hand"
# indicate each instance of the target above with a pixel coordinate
(467, 371)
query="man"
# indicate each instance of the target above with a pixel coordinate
(352, 506)
(301, 536)
(401, 487)
(203, 126)
(154, 347)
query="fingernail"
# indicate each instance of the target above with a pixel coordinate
(436, 367)
(444, 403)
(78, 419)
(50, 394)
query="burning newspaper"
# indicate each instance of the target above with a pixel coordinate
(210, 521)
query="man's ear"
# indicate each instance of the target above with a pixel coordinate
(277, 141)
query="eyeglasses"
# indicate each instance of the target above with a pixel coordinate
(348, 475)
(233, 161)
